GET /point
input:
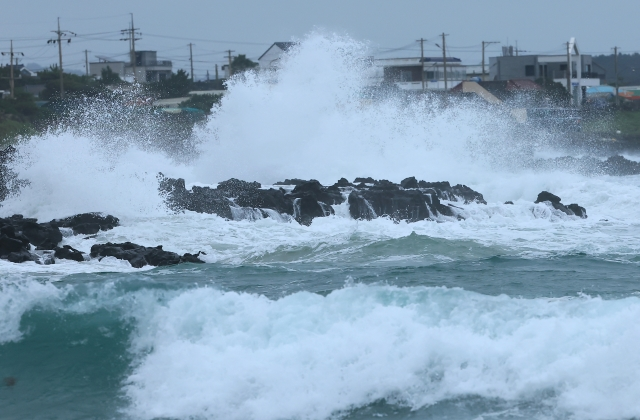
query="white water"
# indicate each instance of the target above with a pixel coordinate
(217, 354)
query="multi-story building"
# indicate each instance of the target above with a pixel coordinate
(147, 67)
(410, 73)
(573, 66)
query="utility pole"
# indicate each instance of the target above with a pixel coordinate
(569, 71)
(421, 41)
(191, 59)
(444, 59)
(60, 34)
(86, 61)
(131, 37)
(11, 53)
(229, 57)
(484, 44)
(615, 63)
(216, 72)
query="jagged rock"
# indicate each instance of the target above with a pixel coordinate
(547, 196)
(21, 256)
(294, 181)
(343, 182)
(139, 256)
(367, 180)
(266, 199)
(410, 182)
(508, 202)
(311, 200)
(234, 187)
(578, 210)
(66, 252)
(41, 235)
(411, 200)
(554, 200)
(87, 223)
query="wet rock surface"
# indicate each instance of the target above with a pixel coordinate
(367, 198)
(19, 236)
(139, 256)
(87, 223)
(555, 202)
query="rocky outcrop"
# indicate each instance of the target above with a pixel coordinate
(87, 223)
(18, 235)
(554, 201)
(139, 256)
(411, 200)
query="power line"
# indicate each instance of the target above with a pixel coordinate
(60, 35)
(11, 81)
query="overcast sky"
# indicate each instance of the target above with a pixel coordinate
(251, 26)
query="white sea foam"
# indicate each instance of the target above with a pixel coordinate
(315, 122)
(210, 354)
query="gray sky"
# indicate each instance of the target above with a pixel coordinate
(250, 26)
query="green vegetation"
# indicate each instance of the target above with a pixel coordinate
(627, 122)
(19, 116)
(201, 102)
(241, 64)
(176, 86)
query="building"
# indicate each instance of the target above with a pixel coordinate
(409, 73)
(580, 72)
(147, 67)
(270, 59)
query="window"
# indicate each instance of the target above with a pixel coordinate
(529, 71)
(563, 67)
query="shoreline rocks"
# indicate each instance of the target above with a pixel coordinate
(19, 234)
(367, 198)
(554, 201)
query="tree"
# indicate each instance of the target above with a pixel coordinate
(176, 86)
(109, 77)
(241, 63)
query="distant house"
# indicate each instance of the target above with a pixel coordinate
(148, 68)
(549, 67)
(409, 73)
(271, 57)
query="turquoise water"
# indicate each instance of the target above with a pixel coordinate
(98, 345)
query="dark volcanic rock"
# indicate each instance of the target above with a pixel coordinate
(41, 235)
(554, 200)
(458, 192)
(411, 200)
(311, 200)
(68, 253)
(87, 223)
(229, 194)
(139, 256)
(294, 181)
(367, 180)
(547, 196)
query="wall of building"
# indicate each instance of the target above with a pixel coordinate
(95, 69)
(270, 58)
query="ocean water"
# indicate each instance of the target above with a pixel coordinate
(518, 311)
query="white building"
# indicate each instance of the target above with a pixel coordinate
(409, 73)
(148, 68)
(271, 58)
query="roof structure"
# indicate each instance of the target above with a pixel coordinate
(284, 46)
